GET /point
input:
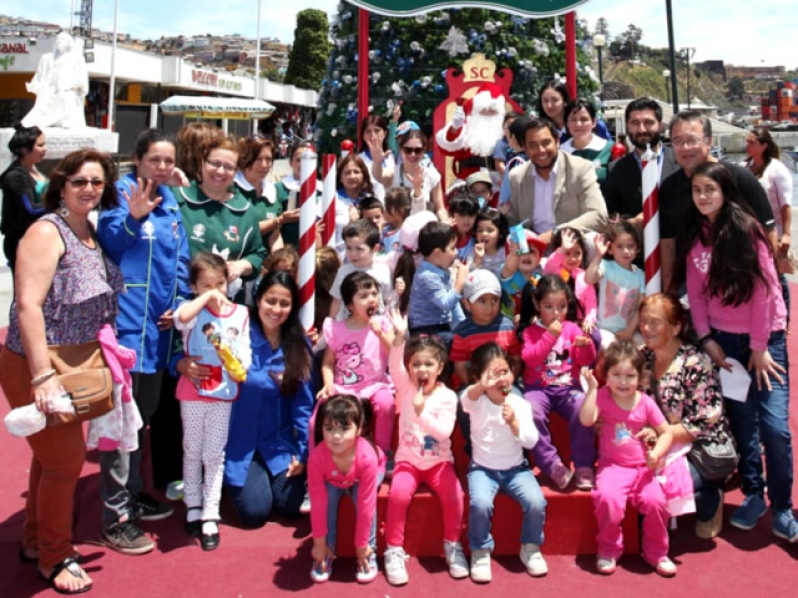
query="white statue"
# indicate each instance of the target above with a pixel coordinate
(61, 83)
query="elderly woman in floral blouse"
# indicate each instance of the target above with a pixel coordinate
(685, 384)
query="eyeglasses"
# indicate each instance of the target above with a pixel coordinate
(414, 151)
(82, 183)
(216, 165)
(687, 141)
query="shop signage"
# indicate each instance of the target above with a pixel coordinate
(14, 48)
(207, 79)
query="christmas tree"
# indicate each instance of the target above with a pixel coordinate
(408, 58)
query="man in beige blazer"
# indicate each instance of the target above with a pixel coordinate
(554, 189)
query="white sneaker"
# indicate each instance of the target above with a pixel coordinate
(395, 569)
(304, 508)
(665, 567)
(605, 565)
(533, 560)
(455, 558)
(480, 566)
(371, 571)
(321, 571)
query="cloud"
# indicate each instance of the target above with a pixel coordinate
(739, 32)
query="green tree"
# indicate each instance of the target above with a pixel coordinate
(633, 36)
(735, 88)
(307, 61)
(272, 73)
(408, 58)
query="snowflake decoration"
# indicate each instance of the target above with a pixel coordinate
(455, 43)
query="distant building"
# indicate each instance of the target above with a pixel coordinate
(713, 66)
(755, 72)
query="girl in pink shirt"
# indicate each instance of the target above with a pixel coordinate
(356, 359)
(427, 411)
(627, 467)
(344, 461)
(739, 314)
(554, 350)
(568, 261)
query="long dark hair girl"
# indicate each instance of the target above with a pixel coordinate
(734, 270)
(533, 294)
(296, 349)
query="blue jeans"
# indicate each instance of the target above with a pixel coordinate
(334, 495)
(517, 482)
(263, 492)
(764, 415)
(707, 494)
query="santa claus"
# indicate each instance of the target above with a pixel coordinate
(474, 130)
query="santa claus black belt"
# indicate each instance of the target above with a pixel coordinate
(476, 162)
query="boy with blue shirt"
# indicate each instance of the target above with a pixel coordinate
(434, 298)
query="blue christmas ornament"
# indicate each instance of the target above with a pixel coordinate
(416, 83)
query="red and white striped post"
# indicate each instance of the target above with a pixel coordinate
(329, 173)
(651, 240)
(307, 239)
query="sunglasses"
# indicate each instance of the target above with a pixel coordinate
(82, 183)
(414, 151)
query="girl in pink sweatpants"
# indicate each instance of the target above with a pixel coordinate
(626, 468)
(427, 413)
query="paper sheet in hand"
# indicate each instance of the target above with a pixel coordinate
(734, 384)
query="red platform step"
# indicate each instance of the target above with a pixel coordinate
(570, 522)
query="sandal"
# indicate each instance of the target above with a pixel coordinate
(25, 556)
(72, 566)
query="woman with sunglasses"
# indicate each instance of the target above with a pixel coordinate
(66, 291)
(219, 219)
(418, 174)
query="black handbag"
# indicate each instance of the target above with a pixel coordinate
(714, 460)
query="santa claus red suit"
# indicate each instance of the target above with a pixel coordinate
(473, 132)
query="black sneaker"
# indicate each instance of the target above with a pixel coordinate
(127, 538)
(146, 508)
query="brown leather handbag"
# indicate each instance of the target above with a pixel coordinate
(85, 377)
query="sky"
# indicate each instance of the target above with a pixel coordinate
(740, 32)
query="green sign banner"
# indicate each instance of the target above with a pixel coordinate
(526, 8)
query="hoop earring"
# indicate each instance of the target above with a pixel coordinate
(63, 211)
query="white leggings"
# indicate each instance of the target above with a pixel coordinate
(205, 426)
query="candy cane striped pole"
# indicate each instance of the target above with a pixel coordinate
(329, 173)
(307, 238)
(651, 241)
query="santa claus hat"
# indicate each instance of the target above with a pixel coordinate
(487, 94)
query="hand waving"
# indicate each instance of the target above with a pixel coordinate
(138, 200)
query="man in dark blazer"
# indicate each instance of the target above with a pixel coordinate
(554, 189)
(623, 191)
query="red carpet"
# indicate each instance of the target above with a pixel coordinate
(276, 558)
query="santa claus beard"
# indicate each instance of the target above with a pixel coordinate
(482, 132)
